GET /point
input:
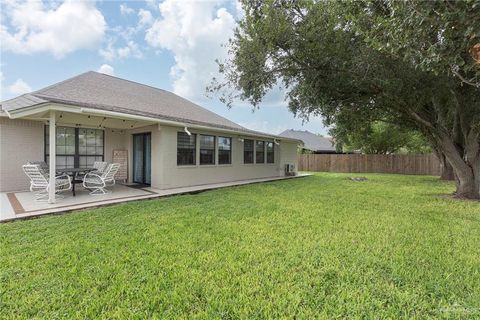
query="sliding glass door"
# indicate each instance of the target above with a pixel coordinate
(142, 158)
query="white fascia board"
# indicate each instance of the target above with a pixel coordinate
(44, 107)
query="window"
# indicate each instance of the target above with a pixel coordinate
(76, 147)
(248, 151)
(270, 152)
(90, 146)
(224, 150)
(207, 149)
(260, 151)
(186, 149)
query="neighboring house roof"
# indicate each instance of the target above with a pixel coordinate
(310, 140)
(100, 91)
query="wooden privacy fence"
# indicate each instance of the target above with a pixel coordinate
(426, 164)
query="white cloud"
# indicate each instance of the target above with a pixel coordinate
(2, 89)
(126, 34)
(108, 53)
(107, 69)
(239, 9)
(19, 87)
(145, 19)
(152, 4)
(126, 10)
(111, 53)
(35, 27)
(193, 31)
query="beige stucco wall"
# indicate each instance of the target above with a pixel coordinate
(20, 141)
(167, 174)
(114, 139)
(288, 154)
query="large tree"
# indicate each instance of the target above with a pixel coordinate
(410, 62)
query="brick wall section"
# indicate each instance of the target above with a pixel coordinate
(20, 141)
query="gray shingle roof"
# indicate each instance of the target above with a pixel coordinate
(23, 101)
(311, 141)
(104, 92)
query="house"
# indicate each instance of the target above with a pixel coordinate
(311, 142)
(170, 141)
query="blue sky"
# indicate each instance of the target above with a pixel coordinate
(169, 44)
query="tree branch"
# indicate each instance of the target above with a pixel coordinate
(466, 81)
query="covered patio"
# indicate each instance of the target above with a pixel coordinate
(64, 127)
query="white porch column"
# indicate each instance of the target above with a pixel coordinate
(52, 157)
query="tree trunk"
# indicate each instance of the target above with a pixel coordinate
(466, 169)
(445, 166)
(472, 148)
(447, 169)
(467, 187)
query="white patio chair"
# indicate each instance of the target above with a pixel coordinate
(39, 181)
(98, 182)
(42, 165)
(100, 166)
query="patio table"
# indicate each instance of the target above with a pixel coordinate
(72, 172)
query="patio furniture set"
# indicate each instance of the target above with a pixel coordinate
(95, 179)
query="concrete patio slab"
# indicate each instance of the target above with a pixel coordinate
(21, 205)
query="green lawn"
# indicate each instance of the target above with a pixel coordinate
(321, 246)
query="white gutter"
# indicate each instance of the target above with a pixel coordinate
(44, 107)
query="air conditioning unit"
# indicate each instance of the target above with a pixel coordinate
(289, 169)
